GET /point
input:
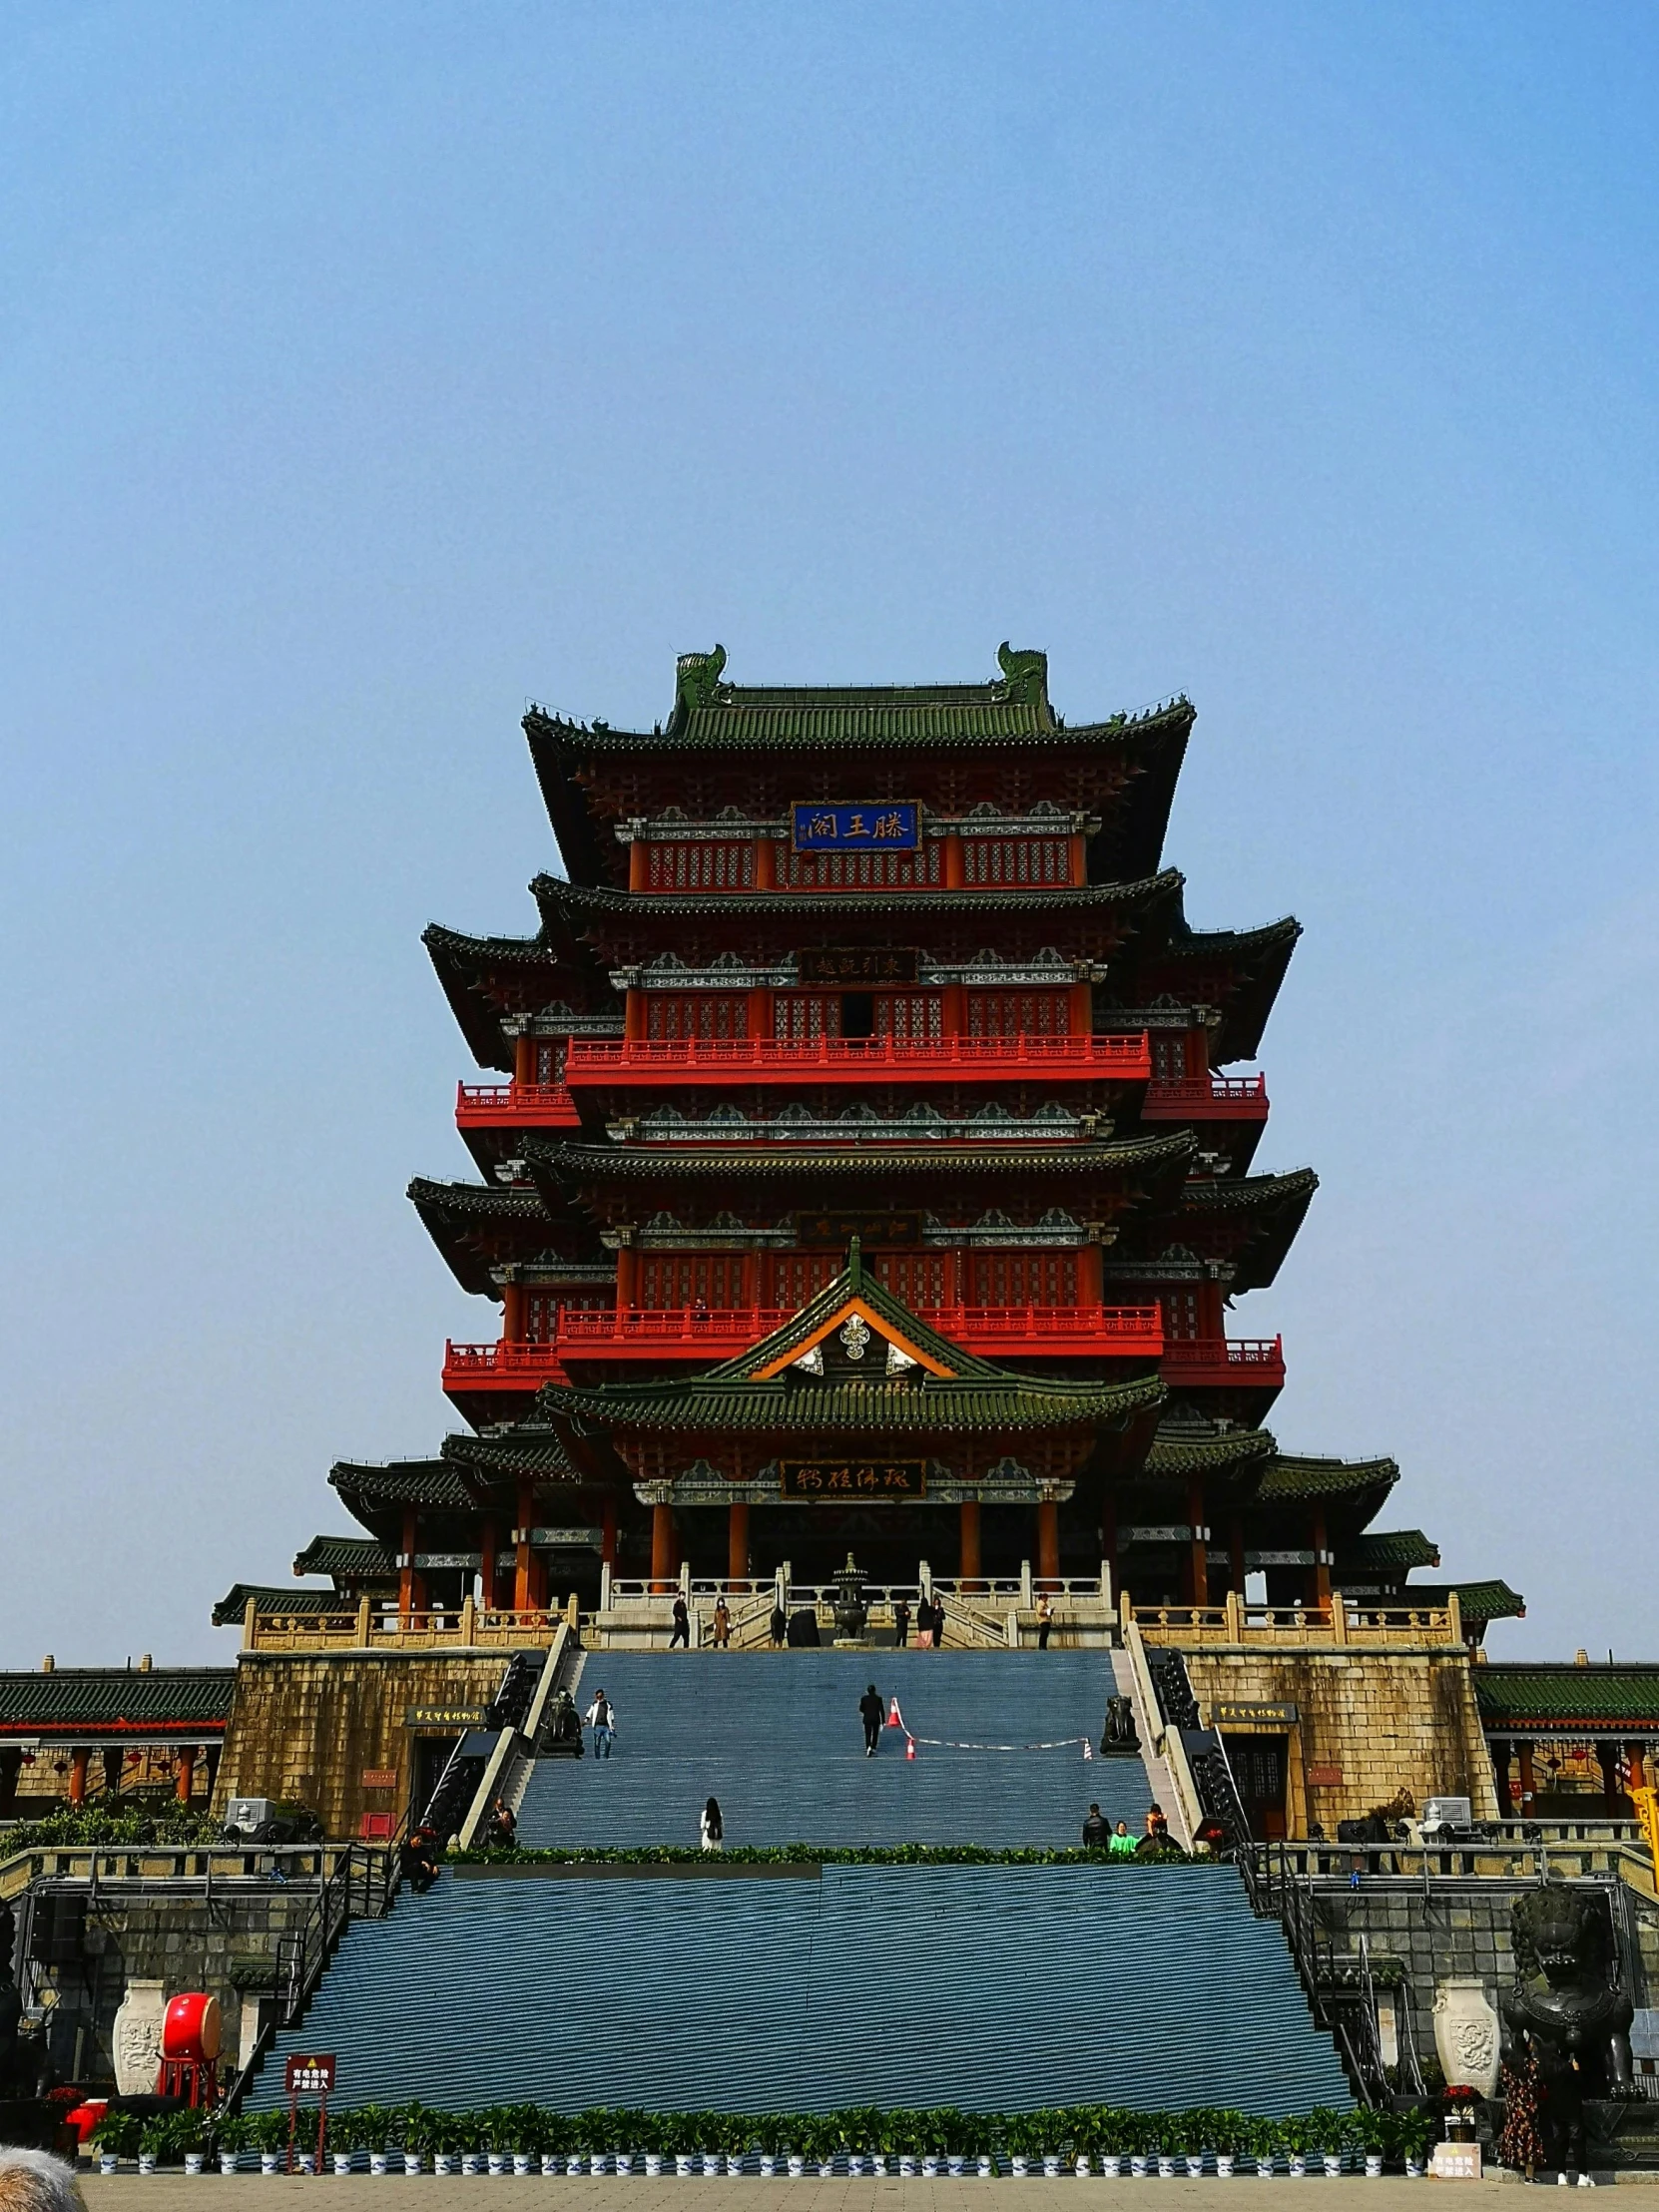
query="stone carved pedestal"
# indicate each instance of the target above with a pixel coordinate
(137, 2037)
(1466, 2034)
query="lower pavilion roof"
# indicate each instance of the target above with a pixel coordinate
(100, 1701)
(280, 1601)
(1561, 1699)
(1291, 1477)
(1238, 971)
(1479, 1602)
(1393, 1550)
(346, 1558)
(485, 978)
(480, 1226)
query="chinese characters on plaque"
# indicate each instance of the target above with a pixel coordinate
(822, 825)
(870, 1229)
(870, 1480)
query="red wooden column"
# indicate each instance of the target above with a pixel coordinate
(1080, 1009)
(1091, 1275)
(1635, 1756)
(953, 1010)
(639, 866)
(970, 1570)
(183, 1768)
(1321, 1563)
(627, 1277)
(1048, 1540)
(524, 1058)
(765, 873)
(78, 1759)
(661, 1543)
(954, 877)
(736, 1540)
(486, 1574)
(524, 1561)
(406, 1593)
(513, 1304)
(1200, 1544)
(634, 1014)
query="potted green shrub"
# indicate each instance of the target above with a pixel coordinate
(116, 2137)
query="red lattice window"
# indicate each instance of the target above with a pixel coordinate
(1025, 1279)
(799, 1017)
(708, 1015)
(548, 1059)
(699, 867)
(922, 1279)
(995, 861)
(1019, 1013)
(1180, 1315)
(672, 1280)
(1169, 1056)
(541, 1310)
(795, 1277)
(861, 871)
(912, 1016)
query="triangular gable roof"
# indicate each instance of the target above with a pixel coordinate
(853, 1292)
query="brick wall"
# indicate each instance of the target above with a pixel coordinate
(1381, 1720)
(310, 1726)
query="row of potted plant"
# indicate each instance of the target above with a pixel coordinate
(828, 1855)
(525, 2138)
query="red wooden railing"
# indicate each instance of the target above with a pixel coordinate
(515, 1106)
(1224, 1359)
(1133, 1331)
(1184, 1092)
(593, 1059)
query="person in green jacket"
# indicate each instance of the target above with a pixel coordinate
(1122, 1845)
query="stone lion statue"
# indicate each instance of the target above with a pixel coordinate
(1563, 2014)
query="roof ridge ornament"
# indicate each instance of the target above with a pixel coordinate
(1024, 676)
(697, 681)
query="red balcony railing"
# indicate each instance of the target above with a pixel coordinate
(1240, 1359)
(515, 1106)
(686, 1333)
(1205, 1098)
(856, 1059)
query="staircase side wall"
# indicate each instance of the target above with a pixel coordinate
(327, 1728)
(1367, 1724)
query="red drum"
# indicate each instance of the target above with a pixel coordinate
(190, 2029)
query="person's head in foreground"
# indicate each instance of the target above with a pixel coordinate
(35, 2181)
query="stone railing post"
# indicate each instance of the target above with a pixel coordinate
(250, 1625)
(1106, 1584)
(1453, 1617)
(363, 1622)
(1025, 1584)
(605, 1586)
(1339, 1617)
(469, 1619)
(1233, 1610)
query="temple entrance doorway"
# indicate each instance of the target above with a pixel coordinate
(1259, 1768)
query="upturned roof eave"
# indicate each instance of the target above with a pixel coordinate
(736, 725)
(572, 1164)
(572, 904)
(976, 1404)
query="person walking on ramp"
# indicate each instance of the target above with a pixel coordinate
(871, 1712)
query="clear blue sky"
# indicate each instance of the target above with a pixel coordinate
(366, 370)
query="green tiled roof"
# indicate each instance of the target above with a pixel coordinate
(566, 903)
(356, 1558)
(1176, 1452)
(284, 1601)
(600, 1163)
(116, 1698)
(1561, 1696)
(1398, 1549)
(529, 1451)
(1292, 1477)
(976, 1395)
(399, 1483)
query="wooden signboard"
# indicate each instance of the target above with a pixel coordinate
(846, 1481)
(856, 966)
(867, 826)
(836, 1228)
(1325, 1777)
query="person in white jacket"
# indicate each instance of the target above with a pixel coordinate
(711, 1827)
(601, 1718)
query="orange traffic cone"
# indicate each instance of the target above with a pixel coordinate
(910, 1747)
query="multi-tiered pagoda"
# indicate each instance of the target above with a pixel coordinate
(865, 1176)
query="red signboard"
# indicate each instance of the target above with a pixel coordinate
(309, 2075)
(1325, 1777)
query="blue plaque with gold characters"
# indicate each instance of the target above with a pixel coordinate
(880, 825)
